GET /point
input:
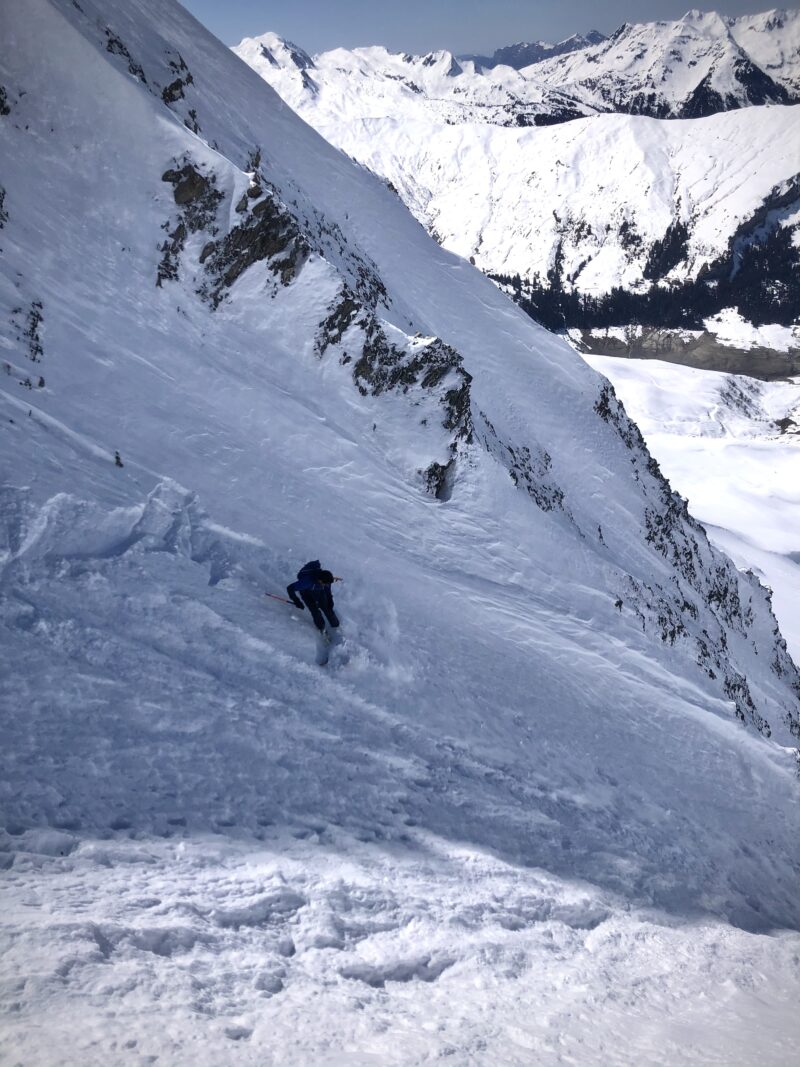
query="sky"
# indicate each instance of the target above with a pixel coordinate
(424, 25)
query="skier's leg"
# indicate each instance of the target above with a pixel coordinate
(316, 615)
(330, 615)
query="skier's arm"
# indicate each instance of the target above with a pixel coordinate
(290, 589)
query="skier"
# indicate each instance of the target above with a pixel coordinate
(314, 586)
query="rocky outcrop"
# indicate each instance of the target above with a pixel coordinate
(118, 48)
(267, 233)
(705, 585)
(195, 194)
(174, 92)
(26, 327)
(530, 469)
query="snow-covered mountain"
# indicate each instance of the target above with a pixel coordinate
(551, 769)
(347, 82)
(525, 53)
(599, 222)
(699, 65)
(772, 42)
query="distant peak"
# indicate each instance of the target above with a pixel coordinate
(526, 53)
(442, 59)
(276, 50)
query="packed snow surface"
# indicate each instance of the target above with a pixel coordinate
(531, 811)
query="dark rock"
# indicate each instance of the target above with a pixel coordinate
(116, 47)
(703, 351)
(383, 367)
(269, 233)
(199, 199)
(342, 315)
(173, 92)
(31, 332)
(190, 184)
(531, 472)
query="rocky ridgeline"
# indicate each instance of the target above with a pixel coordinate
(271, 234)
(704, 585)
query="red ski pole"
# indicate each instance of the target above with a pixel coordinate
(282, 599)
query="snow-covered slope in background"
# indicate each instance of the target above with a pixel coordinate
(547, 788)
(772, 41)
(600, 221)
(436, 86)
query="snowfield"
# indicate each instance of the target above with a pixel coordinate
(541, 805)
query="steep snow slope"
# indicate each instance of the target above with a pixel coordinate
(535, 783)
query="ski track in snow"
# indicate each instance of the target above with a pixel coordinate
(239, 834)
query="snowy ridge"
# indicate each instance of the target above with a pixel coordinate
(696, 66)
(436, 85)
(559, 717)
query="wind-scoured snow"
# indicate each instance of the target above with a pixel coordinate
(543, 799)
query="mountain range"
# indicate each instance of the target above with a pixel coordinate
(525, 53)
(639, 216)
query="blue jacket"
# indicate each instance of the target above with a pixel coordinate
(310, 587)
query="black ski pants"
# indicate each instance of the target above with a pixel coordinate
(319, 604)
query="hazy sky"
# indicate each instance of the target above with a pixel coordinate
(424, 25)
